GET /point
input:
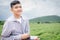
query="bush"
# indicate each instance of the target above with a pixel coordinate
(1, 22)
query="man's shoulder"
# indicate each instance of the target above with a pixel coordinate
(9, 19)
(25, 18)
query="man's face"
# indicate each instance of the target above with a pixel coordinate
(17, 9)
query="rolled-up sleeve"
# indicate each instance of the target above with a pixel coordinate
(6, 33)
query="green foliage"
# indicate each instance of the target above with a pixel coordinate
(1, 29)
(46, 19)
(1, 22)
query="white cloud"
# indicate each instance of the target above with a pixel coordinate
(44, 8)
(27, 5)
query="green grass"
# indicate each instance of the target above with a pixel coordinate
(45, 31)
(0, 29)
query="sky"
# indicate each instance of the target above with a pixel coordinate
(32, 8)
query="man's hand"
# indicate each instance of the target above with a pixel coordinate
(25, 36)
(36, 38)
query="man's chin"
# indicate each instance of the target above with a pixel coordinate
(18, 14)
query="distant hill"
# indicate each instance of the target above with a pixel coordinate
(51, 18)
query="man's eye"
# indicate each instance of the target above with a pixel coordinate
(16, 7)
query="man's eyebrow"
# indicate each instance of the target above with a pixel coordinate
(18, 6)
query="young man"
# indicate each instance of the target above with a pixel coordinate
(16, 27)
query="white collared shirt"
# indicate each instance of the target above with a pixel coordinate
(19, 20)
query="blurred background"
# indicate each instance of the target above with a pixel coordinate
(44, 17)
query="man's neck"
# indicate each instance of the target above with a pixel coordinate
(17, 16)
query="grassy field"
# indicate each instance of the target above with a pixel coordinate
(0, 29)
(45, 31)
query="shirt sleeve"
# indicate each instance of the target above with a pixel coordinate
(6, 33)
(17, 37)
(27, 27)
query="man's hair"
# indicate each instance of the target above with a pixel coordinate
(14, 3)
